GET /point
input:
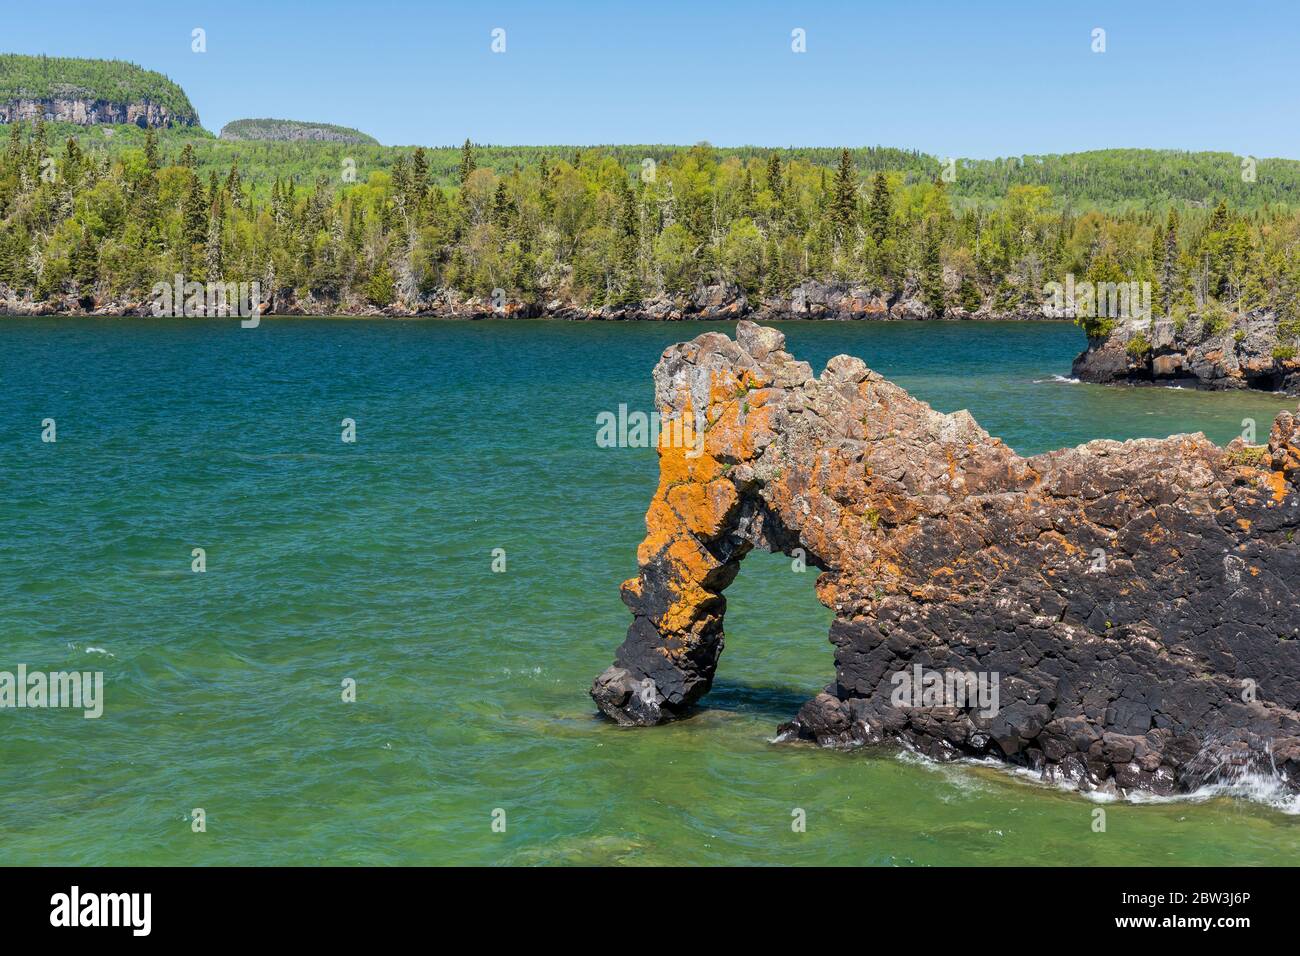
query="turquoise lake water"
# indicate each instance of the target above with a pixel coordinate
(373, 561)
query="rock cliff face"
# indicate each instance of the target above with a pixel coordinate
(1133, 603)
(89, 112)
(1251, 350)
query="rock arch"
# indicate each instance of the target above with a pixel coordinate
(942, 549)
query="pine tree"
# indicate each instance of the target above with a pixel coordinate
(15, 147)
(71, 163)
(467, 164)
(147, 212)
(774, 183)
(1216, 245)
(774, 283)
(844, 198)
(85, 263)
(214, 189)
(628, 235)
(278, 215)
(212, 253)
(419, 173)
(1158, 267)
(932, 271)
(545, 198)
(194, 219)
(880, 209)
(234, 185)
(747, 194)
(151, 150)
(381, 286)
(503, 210)
(401, 179)
(1219, 219)
(1169, 273)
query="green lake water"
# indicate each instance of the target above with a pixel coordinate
(373, 561)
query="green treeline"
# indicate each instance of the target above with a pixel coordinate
(1105, 180)
(598, 227)
(116, 81)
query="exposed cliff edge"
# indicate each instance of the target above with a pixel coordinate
(88, 111)
(89, 92)
(1135, 601)
(1248, 350)
(288, 131)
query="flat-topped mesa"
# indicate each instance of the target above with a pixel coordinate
(289, 131)
(89, 92)
(1132, 605)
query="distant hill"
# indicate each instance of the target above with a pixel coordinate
(279, 130)
(89, 92)
(1106, 180)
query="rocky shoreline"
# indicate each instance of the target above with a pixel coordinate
(1250, 350)
(1133, 604)
(842, 301)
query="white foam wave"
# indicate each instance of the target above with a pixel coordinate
(1261, 788)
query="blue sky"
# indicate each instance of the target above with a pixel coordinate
(977, 79)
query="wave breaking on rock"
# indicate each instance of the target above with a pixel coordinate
(1134, 602)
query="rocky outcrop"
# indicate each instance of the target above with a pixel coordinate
(1249, 350)
(808, 300)
(11, 303)
(1132, 606)
(90, 112)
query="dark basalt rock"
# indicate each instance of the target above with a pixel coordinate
(1249, 350)
(1135, 601)
(810, 299)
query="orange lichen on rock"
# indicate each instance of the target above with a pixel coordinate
(1108, 583)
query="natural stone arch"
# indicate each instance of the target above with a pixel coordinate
(943, 549)
(700, 525)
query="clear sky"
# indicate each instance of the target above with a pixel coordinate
(974, 79)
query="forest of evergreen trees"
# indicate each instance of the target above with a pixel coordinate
(110, 216)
